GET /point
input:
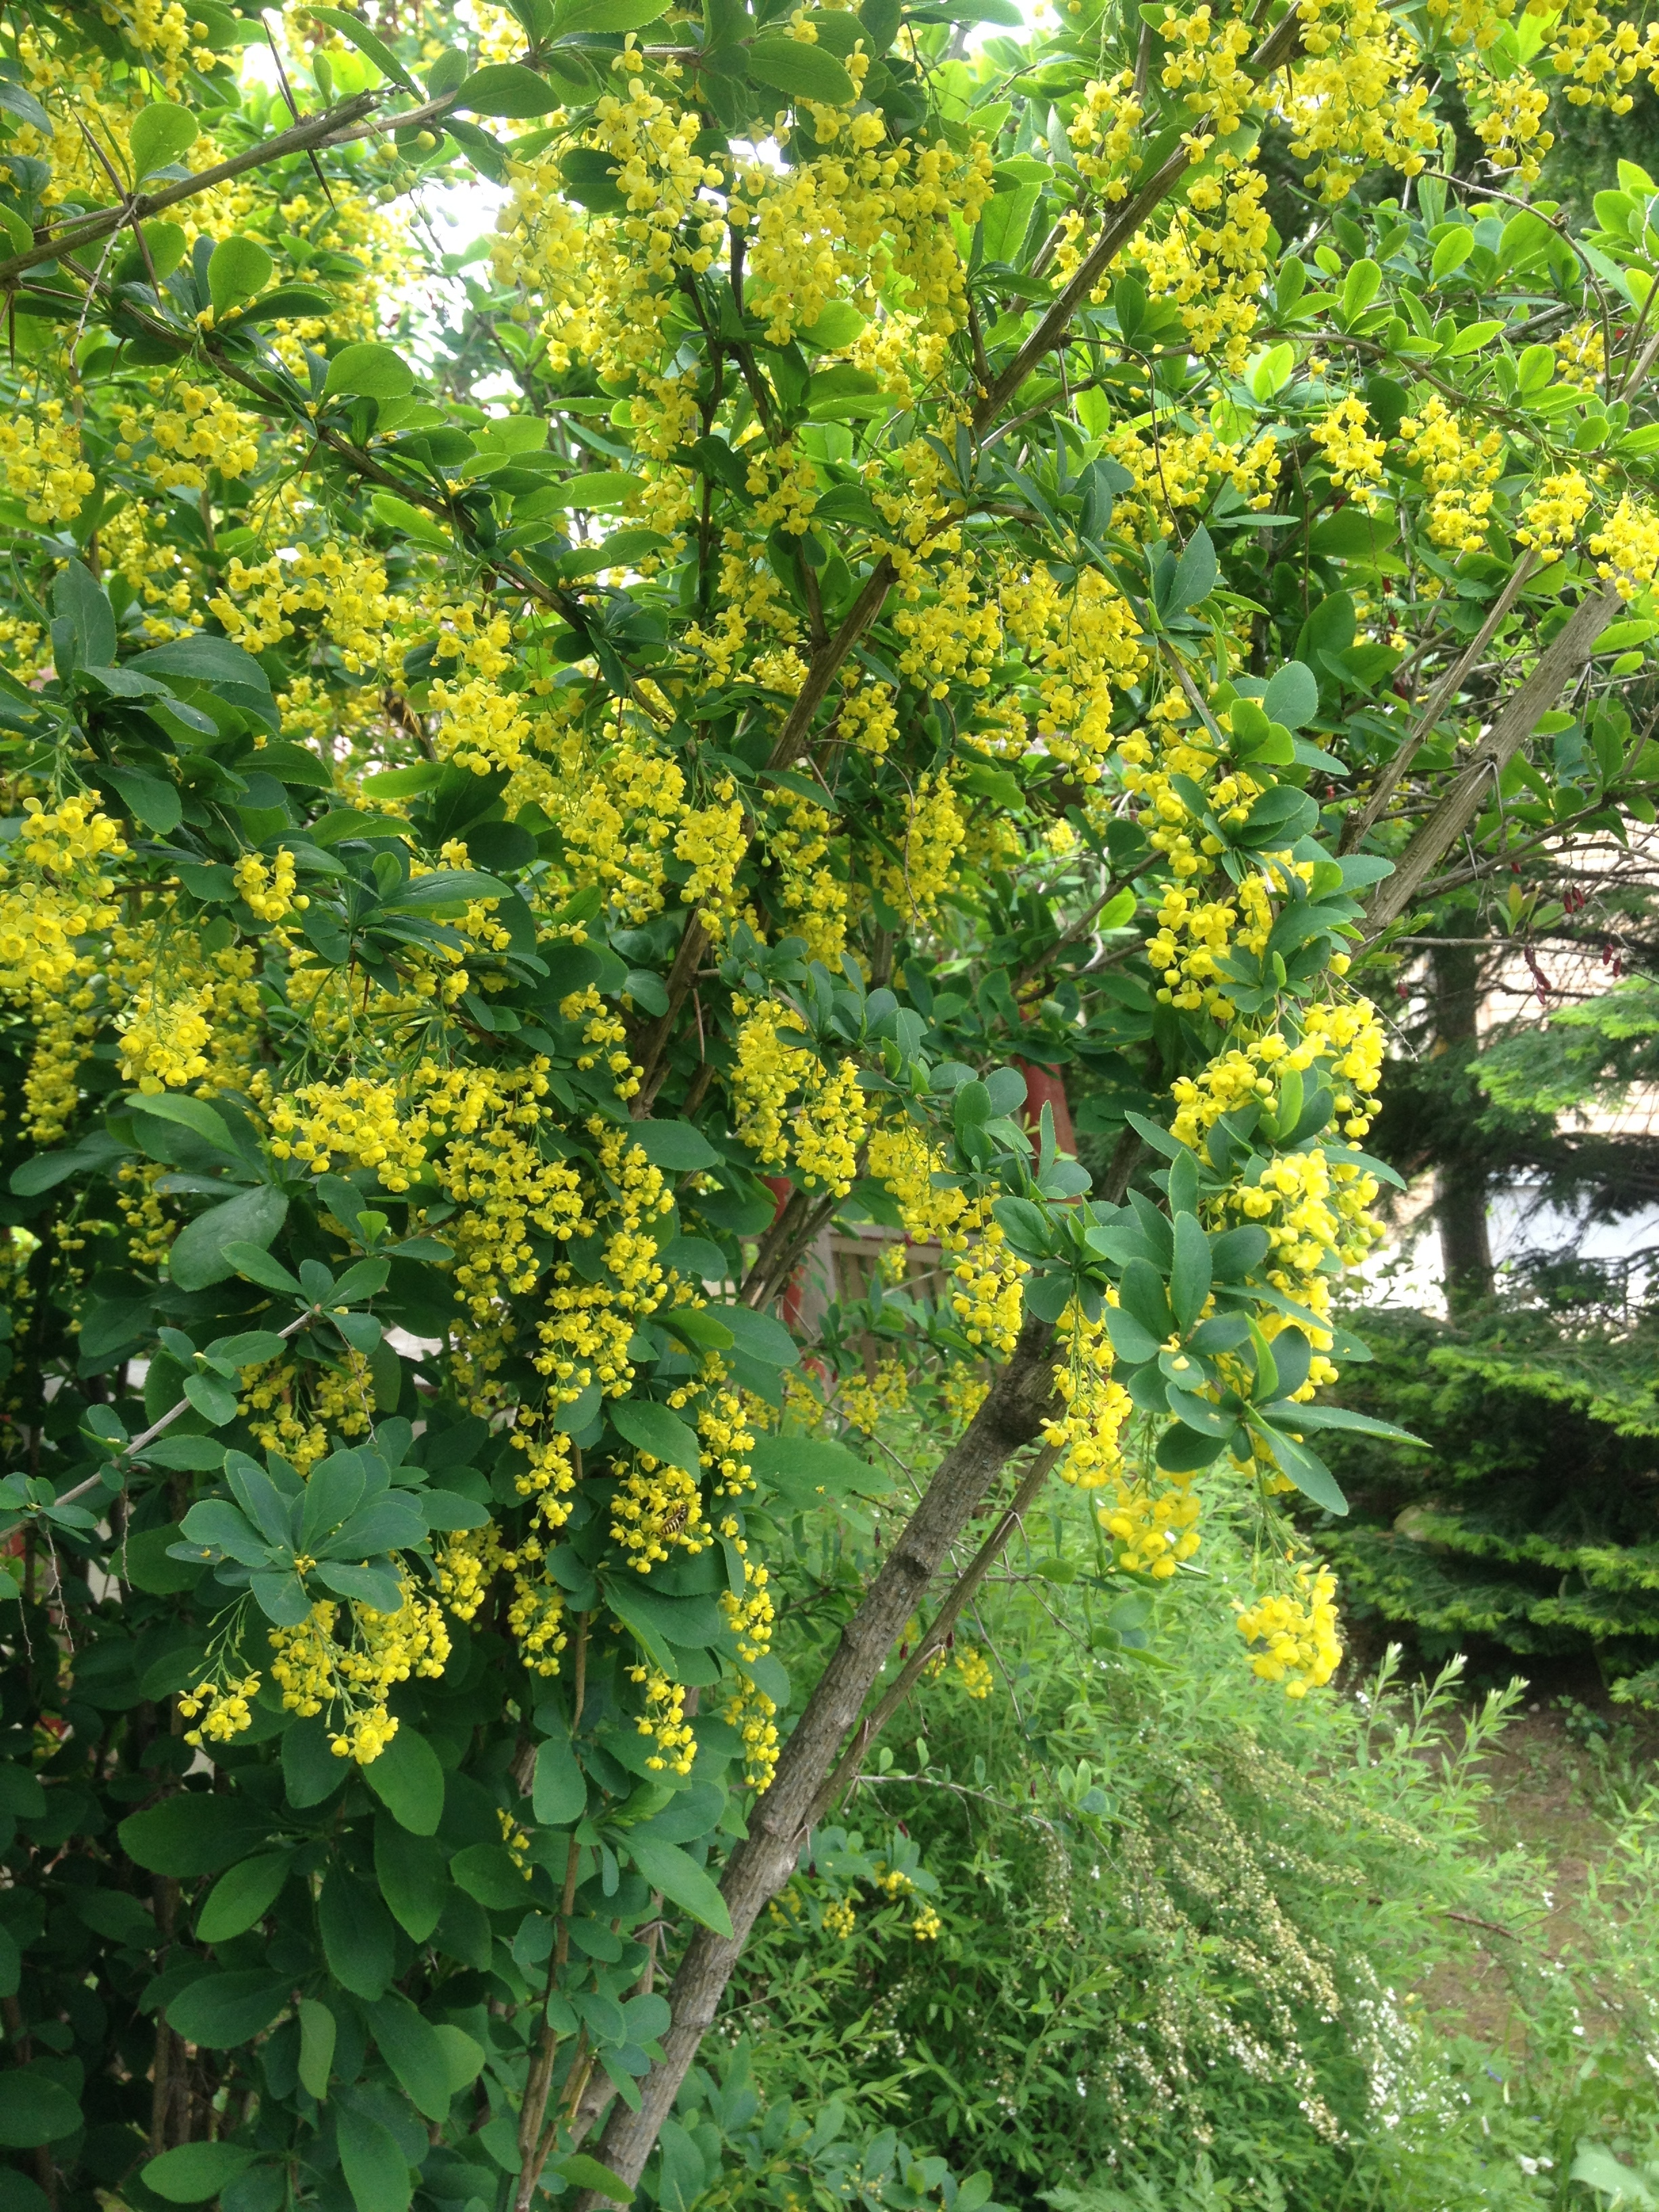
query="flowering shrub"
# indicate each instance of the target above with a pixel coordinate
(545, 781)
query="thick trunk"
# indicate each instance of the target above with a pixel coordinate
(1011, 1418)
(1460, 1181)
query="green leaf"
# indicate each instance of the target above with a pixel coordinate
(368, 370)
(583, 2171)
(759, 1334)
(378, 52)
(446, 887)
(1180, 1450)
(14, 101)
(560, 1794)
(195, 2171)
(1453, 251)
(193, 1114)
(47, 1170)
(239, 270)
(79, 599)
(1189, 1278)
(404, 782)
(652, 1428)
(1472, 337)
(610, 15)
(413, 1874)
(199, 1255)
(1360, 288)
(150, 799)
(682, 1880)
(807, 1471)
(318, 2030)
(801, 72)
(243, 1897)
(159, 134)
(194, 1834)
(409, 1782)
(413, 521)
(1306, 1469)
(116, 1914)
(287, 302)
(1292, 696)
(1196, 573)
(34, 2109)
(21, 1792)
(376, 2172)
(510, 90)
(1340, 1416)
(163, 250)
(222, 2010)
(1598, 2169)
(1141, 1295)
(257, 1265)
(675, 1146)
(212, 1399)
(357, 1935)
(487, 1872)
(464, 2058)
(1130, 1341)
(411, 2048)
(660, 1622)
(1272, 372)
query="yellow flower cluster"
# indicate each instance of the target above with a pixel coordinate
(1084, 644)
(291, 1407)
(880, 209)
(343, 585)
(1627, 547)
(866, 1400)
(1352, 455)
(55, 891)
(812, 889)
(839, 1917)
(712, 842)
(1355, 102)
(1093, 1409)
(318, 1672)
(41, 464)
(751, 1616)
(789, 1105)
(1153, 1521)
(224, 1704)
(1508, 114)
(192, 430)
(535, 1616)
(1293, 1634)
(1553, 514)
(163, 1037)
(753, 1715)
(1459, 473)
(588, 1325)
(664, 1720)
(656, 1507)
(1213, 269)
(933, 834)
(269, 889)
(986, 1276)
(1102, 134)
(356, 1122)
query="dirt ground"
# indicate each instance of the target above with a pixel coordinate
(1546, 1778)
